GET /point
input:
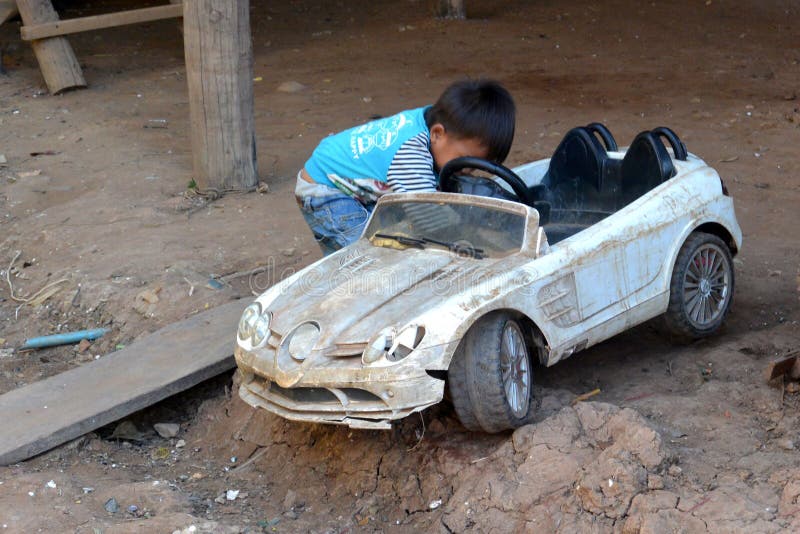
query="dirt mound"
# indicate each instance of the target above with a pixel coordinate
(588, 467)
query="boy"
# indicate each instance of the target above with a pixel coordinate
(348, 172)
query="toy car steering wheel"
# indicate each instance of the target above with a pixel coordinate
(447, 176)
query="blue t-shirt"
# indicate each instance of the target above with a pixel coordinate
(389, 154)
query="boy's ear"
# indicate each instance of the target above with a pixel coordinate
(437, 131)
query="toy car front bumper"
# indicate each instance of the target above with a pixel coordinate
(343, 397)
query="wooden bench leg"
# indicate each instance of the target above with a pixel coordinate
(56, 59)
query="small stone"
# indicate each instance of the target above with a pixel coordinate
(51, 484)
(674, 471)
(291, 514)
(132, 509)
(291, 87)
(84, 345)
(167, 430)
(111, 506)
(3, 159)
(231, 494)
(785, 443)
(288, 252)
(435, 504)
(180, 444)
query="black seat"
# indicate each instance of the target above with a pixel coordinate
(576, 166)
(646, 165)
(576, 181)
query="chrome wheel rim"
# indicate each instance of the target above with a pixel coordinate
(706, 286)
(515, 369)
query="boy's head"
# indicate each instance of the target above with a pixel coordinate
(471, 118)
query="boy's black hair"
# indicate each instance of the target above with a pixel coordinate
(477, 109)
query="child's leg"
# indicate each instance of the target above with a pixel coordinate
(335, 219)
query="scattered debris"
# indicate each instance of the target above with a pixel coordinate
(231, 495)
(40, 296)
(291, 87)
(167, 430)
(45, 153)
(435, 504)
(213, 283)
(191, 286)
(145, 301)
(729, 159)
(111, 506)
(156, 124)
(51, 484)
(589, 395)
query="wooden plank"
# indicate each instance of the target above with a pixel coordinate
(8, 8)
(42, 415)
(97, 22)
(57, 61)
(219, 72)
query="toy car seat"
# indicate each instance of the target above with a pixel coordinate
(647, 163)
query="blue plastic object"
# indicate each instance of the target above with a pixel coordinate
(63, 339)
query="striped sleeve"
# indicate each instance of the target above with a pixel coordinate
(411, 169)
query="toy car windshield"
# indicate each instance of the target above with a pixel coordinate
(467, 230)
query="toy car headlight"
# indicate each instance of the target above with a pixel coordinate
(377, 346)
(247, 324)
(405, 342)
(261, 328)
(302, 340)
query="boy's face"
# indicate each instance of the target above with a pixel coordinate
(445, 147)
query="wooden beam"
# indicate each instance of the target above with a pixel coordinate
(8, 8)
(45, 414)
(57, 61)
(219, 72)
(97, 22)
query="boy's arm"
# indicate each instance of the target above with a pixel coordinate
(411, 170)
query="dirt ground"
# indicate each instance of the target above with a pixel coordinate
(93, 190)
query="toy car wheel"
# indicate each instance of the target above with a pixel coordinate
(491, 376)
(701, 288)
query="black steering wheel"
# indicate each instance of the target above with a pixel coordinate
(447, 179)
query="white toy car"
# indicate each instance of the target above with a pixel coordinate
(466, 288)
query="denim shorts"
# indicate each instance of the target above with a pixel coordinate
(336, 219)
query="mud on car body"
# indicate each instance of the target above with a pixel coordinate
(471, 288)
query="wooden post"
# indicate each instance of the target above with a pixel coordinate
(452, 9)
(219, 71)
(56, 59)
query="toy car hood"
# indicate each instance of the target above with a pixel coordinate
(353, 294)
